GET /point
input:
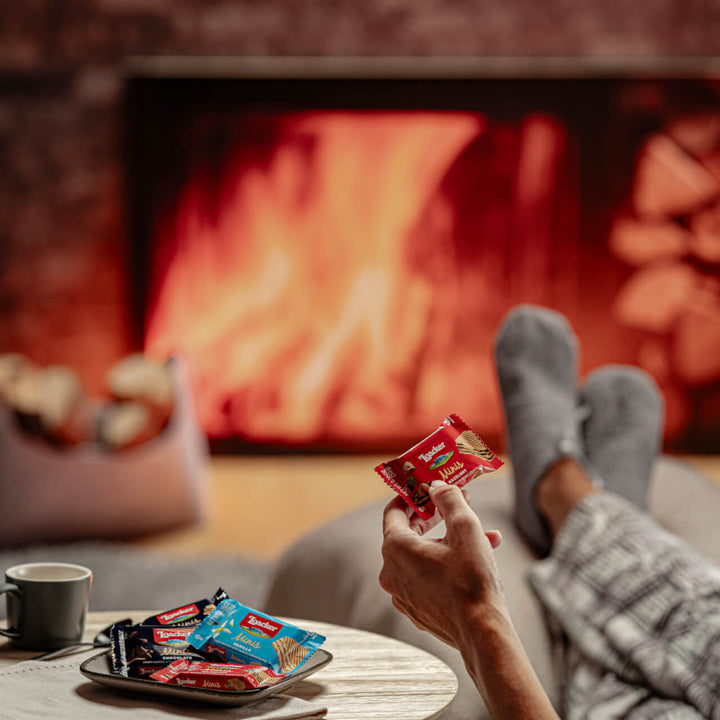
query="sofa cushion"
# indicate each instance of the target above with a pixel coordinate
(126, 577)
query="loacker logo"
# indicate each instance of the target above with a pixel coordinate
(171, 637)
(178, 615)
(260, 626)
(216, 650)
(430, 454)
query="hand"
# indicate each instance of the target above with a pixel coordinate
(438, 584)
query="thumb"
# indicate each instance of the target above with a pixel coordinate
(460, 520)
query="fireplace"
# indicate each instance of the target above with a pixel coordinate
(331, 244)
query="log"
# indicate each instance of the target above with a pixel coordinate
(697, 133)
(705, 226)
(50, 403)
(139, 379)
(669, 182)
(639, 243)
(656, 296)
(125, 425)
(12, 367)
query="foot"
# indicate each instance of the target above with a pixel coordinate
(561, 488)
(536, 359)
(623, 431)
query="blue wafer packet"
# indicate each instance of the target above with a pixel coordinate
(234, 632)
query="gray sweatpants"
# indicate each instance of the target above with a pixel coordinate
(635, 615)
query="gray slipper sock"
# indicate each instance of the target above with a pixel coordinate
(623, 431)
(536, 359)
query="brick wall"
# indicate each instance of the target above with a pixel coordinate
(62, 254)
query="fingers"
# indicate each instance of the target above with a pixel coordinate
(448, 499)
(396, 517)
(421, 526)
(399, 605)
(494, 537)
(453, 506)
(460, 520)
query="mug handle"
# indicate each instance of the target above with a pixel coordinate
(9, 587)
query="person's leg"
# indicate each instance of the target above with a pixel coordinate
(560, 489)
(611, 429)
(637, 609)
(622, 436)
(592, 692)
(536, 362)
(623, 431)
(630, 598)
(635, 600)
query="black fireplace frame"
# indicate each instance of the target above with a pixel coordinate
(158, 92)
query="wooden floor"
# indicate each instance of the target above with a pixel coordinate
(259, 505)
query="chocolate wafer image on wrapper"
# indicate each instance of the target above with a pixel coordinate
(469, 443)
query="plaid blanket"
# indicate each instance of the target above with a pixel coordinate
(635, 617)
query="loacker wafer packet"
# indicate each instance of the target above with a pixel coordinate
(237, 633)
(140, 650)
(217, 676)
(453, 453)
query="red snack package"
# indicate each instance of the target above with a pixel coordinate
(453, 453)
(217, 676)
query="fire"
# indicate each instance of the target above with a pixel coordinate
(299, 285)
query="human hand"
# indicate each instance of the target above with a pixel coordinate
(439, 583)
(421, 527)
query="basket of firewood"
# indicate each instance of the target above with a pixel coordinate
(73, 467)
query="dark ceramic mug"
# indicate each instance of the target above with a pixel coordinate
(47, 603)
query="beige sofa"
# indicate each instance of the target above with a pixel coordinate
(331, 574)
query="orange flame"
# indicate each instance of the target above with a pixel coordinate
(296, 301)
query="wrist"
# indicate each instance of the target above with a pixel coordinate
(498, 664)
(486, 628)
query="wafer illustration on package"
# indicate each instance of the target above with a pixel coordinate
(290, 653)
(452, 453)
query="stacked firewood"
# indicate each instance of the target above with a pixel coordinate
(670, 236)
(50, 404)
(673, 238)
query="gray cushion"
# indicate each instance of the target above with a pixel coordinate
(131, 578)
(331, 574)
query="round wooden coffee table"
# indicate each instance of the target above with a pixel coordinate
(370, 676)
